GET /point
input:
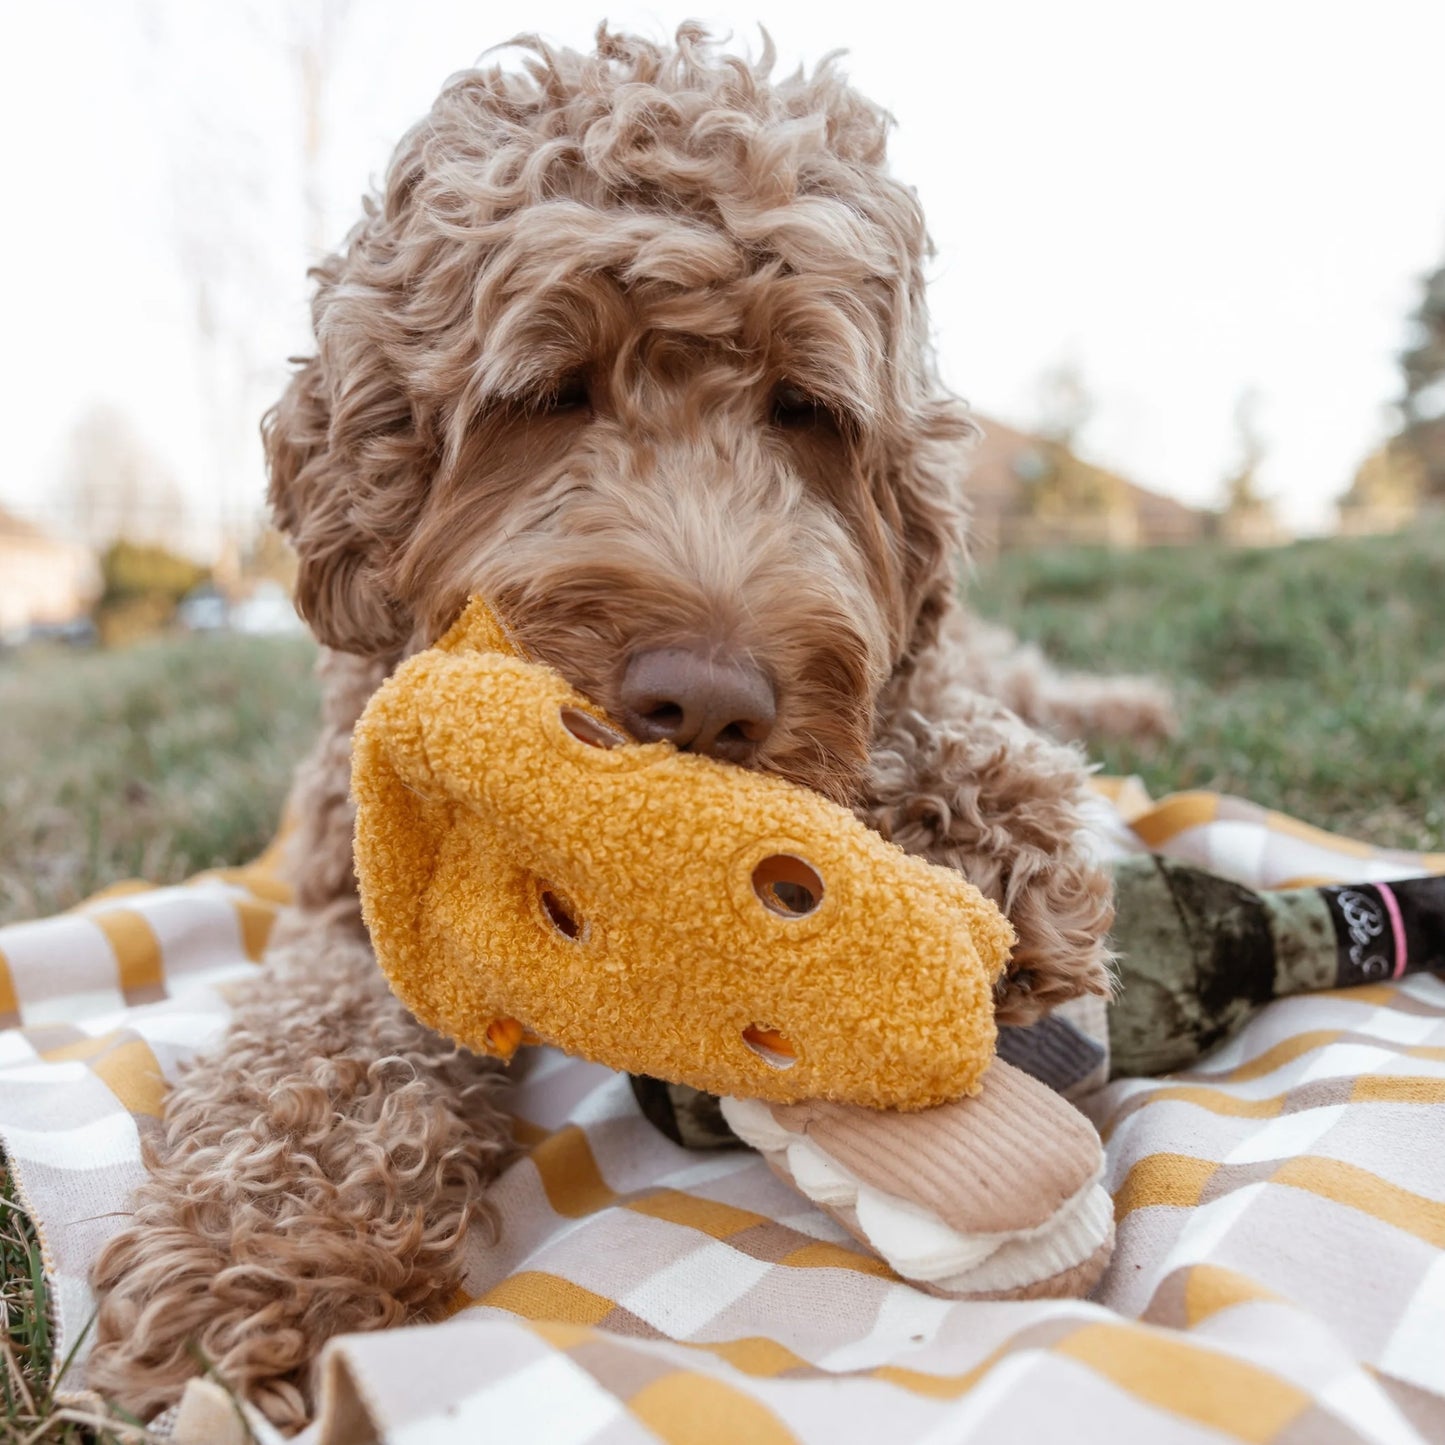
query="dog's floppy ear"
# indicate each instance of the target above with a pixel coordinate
(928, 493)
(344, 463)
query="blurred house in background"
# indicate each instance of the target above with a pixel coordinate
(44, 583)
(1030, 491)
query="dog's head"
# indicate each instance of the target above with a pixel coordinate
(635, 344)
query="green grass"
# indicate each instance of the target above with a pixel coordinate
(155, 762)
(1310, 678)
(29, 1412)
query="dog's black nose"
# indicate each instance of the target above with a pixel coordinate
(723, 707)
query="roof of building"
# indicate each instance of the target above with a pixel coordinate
(13, 526)
(1001, 462)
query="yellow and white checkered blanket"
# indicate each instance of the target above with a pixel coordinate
(1279, 1277)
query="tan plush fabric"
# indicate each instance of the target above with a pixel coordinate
(992, 1197)
(478, 808)
(1003, 1160)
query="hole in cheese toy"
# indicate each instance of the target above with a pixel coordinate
(787, 886)
(530, 874)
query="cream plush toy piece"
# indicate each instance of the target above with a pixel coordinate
(530, 874)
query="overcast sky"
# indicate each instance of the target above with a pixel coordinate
(1185, 201)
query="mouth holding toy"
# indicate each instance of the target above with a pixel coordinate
(530, 873)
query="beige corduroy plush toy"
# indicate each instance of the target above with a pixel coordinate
(530, 874)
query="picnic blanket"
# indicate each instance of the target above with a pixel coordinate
(1279, 1275)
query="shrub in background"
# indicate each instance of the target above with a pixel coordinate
(141, 587)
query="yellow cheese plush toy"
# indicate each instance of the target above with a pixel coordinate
(530, 874)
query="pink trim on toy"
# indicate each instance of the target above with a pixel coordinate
(1392, 907)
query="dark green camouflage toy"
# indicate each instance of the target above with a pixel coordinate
(1199, 955)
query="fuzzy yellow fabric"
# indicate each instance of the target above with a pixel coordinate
(626, 901)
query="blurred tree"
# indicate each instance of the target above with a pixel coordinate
(130, 570)
(248, 212)
(1423, 404)
(1064, 402)
(1248, 517)
(317, 30)
(228, 222)
(1241, 486)
(1386, 491)
(141, 587)
(1063, 496)
(115, 487)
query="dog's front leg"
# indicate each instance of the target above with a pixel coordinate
(960, 780)
(316, 1176)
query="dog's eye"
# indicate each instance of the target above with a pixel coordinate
(571, 393)
(795, 409)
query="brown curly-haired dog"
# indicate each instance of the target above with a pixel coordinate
(635, 343)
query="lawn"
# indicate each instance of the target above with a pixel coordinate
(153, 762)
(1309, 678)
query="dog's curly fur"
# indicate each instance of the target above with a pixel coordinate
(634, 342)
